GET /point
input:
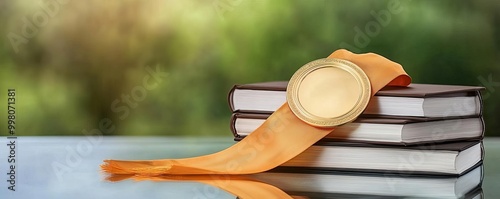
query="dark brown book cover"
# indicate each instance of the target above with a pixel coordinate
(379, 120)
(374, 174)
(413, 90)
(448, 146)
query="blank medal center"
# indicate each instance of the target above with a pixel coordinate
(329, 92)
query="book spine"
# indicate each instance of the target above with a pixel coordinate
(483, 128)
(232, 125)
(480, 99)
(230, 98)
(482, 151)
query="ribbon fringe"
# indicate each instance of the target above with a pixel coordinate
(135, 167)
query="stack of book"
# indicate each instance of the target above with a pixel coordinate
(424, 130)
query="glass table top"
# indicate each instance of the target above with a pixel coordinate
(68, 167)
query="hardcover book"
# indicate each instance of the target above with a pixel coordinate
(416, 100)
(394, 131)
(453, 158)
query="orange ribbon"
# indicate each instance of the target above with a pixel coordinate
(281, 137)
(241, 186)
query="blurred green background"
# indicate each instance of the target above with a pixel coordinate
(73, 63)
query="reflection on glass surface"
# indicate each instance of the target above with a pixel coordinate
(377, 184)
(333, 185)
(56, 168)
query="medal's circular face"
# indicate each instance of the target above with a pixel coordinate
(328, 92)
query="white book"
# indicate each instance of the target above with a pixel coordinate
(401, 131)
(417, 100)
(442, 159)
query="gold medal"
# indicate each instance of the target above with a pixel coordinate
(328, 92)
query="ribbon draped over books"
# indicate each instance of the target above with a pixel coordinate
(321, 95)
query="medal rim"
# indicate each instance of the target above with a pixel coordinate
(304, 115)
